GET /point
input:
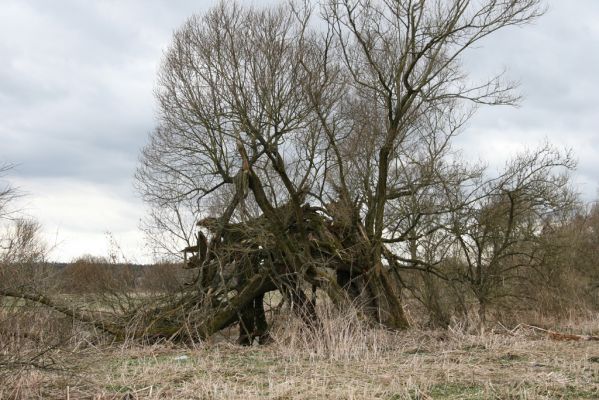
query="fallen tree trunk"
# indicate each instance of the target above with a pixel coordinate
(103, 326)
(239, 254)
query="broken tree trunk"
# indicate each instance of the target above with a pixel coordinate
(245, 260)
(287, 248)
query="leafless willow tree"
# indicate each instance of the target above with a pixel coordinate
(22, 253)
(21, 245)
(22, 248)
(7, 194)
(498, 231)
(313, 144)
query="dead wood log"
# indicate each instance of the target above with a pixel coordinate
(105, 327)
(559, 336)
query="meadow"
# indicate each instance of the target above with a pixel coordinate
(43, 355)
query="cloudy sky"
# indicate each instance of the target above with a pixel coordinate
(76, 105)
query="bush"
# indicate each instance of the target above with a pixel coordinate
(94, 275)
(164, 277)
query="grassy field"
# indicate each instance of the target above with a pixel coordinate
(414, 365)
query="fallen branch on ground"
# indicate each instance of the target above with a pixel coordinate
(553, 335)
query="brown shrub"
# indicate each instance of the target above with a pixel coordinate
(91, 274)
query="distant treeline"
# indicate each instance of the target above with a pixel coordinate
(95, 274)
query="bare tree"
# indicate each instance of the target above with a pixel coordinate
(317, 147)
(568, 259)
(22, 248)
(499, 230)
(7, 194)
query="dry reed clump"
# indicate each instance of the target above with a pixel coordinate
(28, 334)
(36, 348)
(342, 335)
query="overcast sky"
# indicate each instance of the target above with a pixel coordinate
(76, 105)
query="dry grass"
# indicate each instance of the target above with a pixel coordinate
(344, 362)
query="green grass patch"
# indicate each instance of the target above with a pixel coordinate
(457, 391)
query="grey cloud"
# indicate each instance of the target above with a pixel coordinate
(556, 62)
(76, 81)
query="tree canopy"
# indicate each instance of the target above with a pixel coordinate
(309, 146)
